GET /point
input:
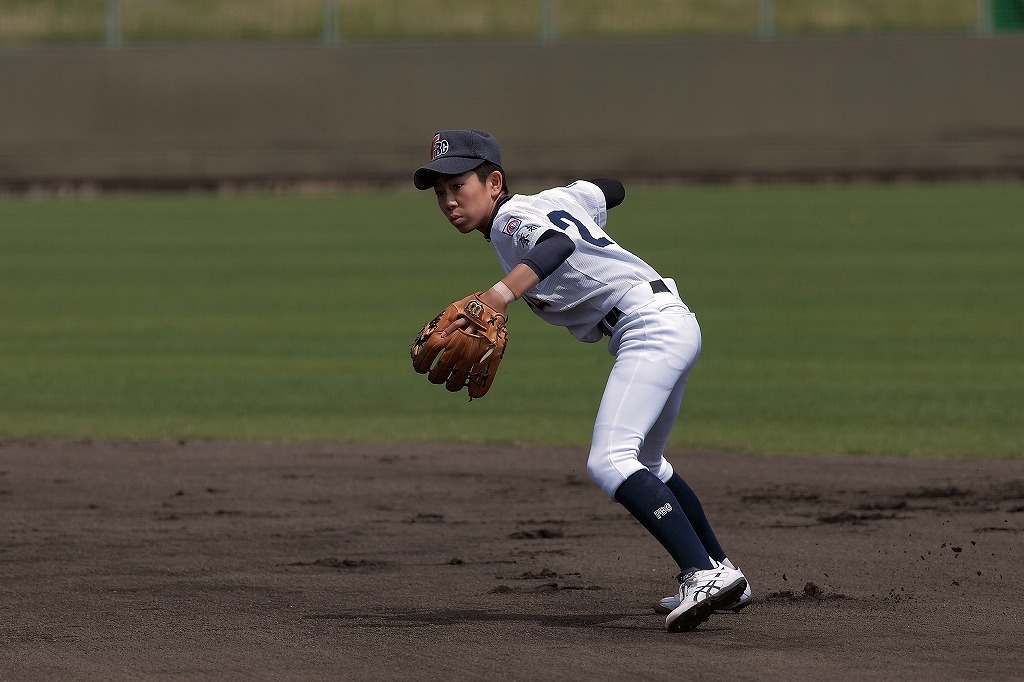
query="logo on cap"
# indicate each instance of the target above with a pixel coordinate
(438, 148)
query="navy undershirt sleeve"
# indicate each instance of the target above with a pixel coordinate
(614, 192)
(551, 250)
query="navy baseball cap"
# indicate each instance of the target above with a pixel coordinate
(453, 152)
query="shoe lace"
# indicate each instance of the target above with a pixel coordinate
(686, 577)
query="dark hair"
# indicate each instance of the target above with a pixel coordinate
(486, 168)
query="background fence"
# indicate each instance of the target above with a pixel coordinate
(117, 22)
(197, 93)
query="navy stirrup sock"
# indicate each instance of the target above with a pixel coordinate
(695, 513)
(657, 509)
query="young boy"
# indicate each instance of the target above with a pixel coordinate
(561, 262)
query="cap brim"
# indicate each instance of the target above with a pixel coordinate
(447, 165)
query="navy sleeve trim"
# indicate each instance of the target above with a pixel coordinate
(614, 192)
(552, 249)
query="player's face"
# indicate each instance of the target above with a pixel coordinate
(466, 201)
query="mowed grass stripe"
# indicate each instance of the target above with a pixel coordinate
(847, 319)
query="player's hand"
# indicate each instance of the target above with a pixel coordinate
(488, 297)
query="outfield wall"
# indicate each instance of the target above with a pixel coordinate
(694, 109)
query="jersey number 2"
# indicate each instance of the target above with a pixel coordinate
(562, 220)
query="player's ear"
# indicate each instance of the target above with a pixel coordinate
(494, 183)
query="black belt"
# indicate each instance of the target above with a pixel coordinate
(608, 323)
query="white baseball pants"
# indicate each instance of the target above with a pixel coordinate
(655, 346)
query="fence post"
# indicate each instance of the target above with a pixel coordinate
(331, 35)
(982, 17)
(548, 14)
(765, 18)
(112, 23)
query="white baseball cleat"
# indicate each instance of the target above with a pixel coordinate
(668, 604)
(701, 592)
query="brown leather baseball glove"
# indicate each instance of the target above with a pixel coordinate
(469, 356)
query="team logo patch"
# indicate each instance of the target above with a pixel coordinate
(524, 238)
(512, 226)
(439, 147)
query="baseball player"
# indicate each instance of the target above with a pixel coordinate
(558, 258)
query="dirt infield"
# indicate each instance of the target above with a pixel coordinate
(341, 562)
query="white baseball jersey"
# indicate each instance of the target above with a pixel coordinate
(581, 291)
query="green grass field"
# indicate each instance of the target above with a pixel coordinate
(848, 319)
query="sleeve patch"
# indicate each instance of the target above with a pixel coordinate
(512, 226)
(526, 236)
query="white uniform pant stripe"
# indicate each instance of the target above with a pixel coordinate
(655, 348)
